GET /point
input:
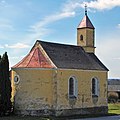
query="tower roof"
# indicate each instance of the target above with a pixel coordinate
(86, 23)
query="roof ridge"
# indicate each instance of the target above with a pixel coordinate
(58, 43)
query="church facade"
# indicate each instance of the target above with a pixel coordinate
(61, 80)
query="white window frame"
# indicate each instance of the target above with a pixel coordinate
(75, 87)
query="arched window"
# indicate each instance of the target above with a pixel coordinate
(73, 87)
(81, 37)
(95, 87)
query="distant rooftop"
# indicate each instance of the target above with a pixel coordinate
(113, 81)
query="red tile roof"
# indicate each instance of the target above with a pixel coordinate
(86, 23)
(35, 59)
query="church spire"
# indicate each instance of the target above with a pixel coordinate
(85, 9)
(86, 23)
(85, 34)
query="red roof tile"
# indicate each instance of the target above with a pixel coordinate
(35, 59)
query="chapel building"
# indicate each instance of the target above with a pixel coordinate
(60, 79)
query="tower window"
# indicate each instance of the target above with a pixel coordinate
(81, 37)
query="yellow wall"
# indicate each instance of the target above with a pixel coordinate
(34, 91)
(84, 98)
(12, 85)
(48, 89)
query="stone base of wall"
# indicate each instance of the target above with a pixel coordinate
(65, 112)
(83, 111)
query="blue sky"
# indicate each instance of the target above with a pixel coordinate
(23, 22)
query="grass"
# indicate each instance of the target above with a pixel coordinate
(114, 108)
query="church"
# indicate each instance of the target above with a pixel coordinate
(61, 80)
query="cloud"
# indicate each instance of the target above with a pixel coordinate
(71, 6)
(102, 4)
(17, 46)
(52, 18)
(2, 3)
(69, 10)
(40, 28)
(118, 25)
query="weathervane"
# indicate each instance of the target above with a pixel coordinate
(85, 9)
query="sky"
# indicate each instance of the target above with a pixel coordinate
(25, 21)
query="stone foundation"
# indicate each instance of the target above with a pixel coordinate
(64, 112)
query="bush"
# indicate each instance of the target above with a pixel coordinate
(113, 97)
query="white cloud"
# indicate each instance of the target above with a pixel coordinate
(118, 25)
(71, 5)
(40, 28)
(69, 10)
(2, 2)
(50, 19)
(102, 4)
(17, 46)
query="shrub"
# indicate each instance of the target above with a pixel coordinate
(113, 97)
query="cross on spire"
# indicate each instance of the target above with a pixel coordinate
(85, 9)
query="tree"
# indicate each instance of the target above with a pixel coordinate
(5, 84)
(0, 81)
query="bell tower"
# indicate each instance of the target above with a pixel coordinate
(85, 34)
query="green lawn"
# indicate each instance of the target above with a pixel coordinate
(114, 108)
